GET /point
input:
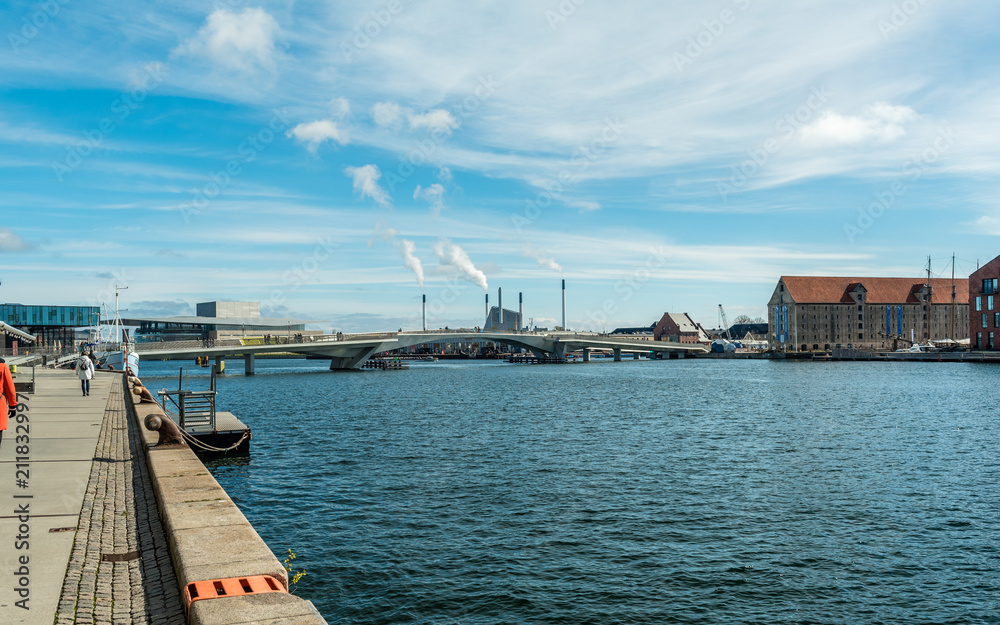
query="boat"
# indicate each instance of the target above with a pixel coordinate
(116, 351)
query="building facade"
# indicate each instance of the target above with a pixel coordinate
(679, 328)
(53, 326)
(821, 313)
(511, 321)
(216, 320)
(984, 307)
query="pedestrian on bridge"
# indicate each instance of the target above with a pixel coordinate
(8, 394)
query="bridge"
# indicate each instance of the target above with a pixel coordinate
(350, 351)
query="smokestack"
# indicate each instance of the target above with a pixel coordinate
(520, 311)
(564, 304)
(500, 306)
(487, 308)
(425, 312)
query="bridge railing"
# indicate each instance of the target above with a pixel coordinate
(259, 341)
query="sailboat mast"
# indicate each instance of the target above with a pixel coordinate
(954, 298)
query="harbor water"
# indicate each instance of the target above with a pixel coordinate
(697, 491)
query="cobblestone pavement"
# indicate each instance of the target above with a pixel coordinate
(119, 516)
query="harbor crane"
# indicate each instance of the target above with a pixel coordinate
(725, 324)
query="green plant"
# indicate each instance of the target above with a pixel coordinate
(293, 576)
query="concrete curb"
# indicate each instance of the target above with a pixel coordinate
(211, 539)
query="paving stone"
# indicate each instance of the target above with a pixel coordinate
(119, 515)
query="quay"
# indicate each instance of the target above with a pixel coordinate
(100, 527)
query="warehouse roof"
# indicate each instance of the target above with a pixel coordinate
(827, 290)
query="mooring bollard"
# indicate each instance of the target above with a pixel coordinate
(169, 433)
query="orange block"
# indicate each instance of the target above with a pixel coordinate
(231, 587)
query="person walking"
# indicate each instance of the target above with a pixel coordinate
(8, 394)
(85, 369)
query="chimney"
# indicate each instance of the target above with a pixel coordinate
(564, 304)
(425, 312)
(500, 307)
(487, 308)
(520, 311)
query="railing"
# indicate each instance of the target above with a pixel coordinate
(195, 409)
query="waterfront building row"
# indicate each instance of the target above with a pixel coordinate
(811, 313)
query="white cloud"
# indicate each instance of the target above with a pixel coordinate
(452, 255)
(315, 133)
(585, 206)
(881, 123)
(437, 120)
(366, 183)
(391, 115)
(445, 175)
(434, 194)
(10, 241)
(340, 107)
(387, 114)
(243, 41)
(530, 251)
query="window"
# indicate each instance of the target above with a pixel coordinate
(989, 303)
(861, 317)
(979, 340)
(990, 344)
(861, 326)
(861, 308)
(996, 320)
(861, 337)
(979, 304)
(985, 324)
(990, 286)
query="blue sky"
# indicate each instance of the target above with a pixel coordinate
(326, 158)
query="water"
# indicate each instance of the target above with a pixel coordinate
(653, 492)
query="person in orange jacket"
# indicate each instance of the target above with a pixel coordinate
(8, 395)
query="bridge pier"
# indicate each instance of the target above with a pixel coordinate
(586, 354)
(618, 354)
(560, 351)
(220, 364)
(249, 363)
(347, 363)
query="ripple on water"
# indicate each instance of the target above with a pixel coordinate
(652, 492)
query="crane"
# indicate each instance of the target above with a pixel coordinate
(725, 323)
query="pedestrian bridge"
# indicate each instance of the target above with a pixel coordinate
(350, 351)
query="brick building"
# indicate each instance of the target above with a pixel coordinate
(821, 313)
(679, 328)
(984, 307)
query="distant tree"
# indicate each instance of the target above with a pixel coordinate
(743, 319)
(760, 320)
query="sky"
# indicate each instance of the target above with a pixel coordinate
(337, 160)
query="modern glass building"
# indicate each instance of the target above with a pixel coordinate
(215, 320)
(53, 325)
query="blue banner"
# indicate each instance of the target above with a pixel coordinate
(888, 320)
(899, 326)
(784, 313)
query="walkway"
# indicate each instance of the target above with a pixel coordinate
(86, 473)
